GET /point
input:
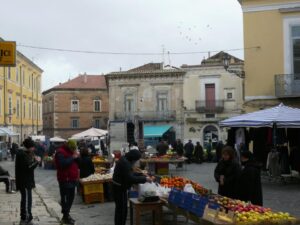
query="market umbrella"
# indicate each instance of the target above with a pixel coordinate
(92, 132)
(57, 139)
(5, 131)
(282, 116)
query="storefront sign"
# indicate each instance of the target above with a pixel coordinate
(7, 53)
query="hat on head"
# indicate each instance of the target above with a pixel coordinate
(133, 155)
(28, 143)
(72, 144)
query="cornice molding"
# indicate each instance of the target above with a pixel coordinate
(270, 7)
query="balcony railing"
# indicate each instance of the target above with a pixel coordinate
(287, 85)
(210, 106)
(146, 115)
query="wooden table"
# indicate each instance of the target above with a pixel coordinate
(140, 207)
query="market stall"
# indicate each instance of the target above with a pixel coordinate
(190, 199)
(101, 163)
(160, 164)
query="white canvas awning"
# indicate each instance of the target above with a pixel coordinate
(57, 139)
(281, 115)
(92, 132)
(4, 131)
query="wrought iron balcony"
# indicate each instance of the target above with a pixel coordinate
(287, 85)
(146, 115)
(210, 106)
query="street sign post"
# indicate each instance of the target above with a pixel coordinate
(7, 53)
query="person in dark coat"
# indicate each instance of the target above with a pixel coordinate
(249, 188)
(219, 148)
(25, 164)
(227, 173)
(86, 166)
(5, 179)
(67, 160)
(13, 151)
(189, 149)
(162, 148)
(198, 153)
(179, 147)
(123, 179)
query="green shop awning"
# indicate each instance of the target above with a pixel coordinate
(155, 131)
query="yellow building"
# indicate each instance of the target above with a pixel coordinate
(20, 97)
(272, 69)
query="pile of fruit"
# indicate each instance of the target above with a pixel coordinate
(180, 182)
(246, 213)
(98, 159)
(97, 177)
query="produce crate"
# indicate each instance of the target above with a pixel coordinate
(93, 198)
(175, 197)
(92, 188)
(198, 205)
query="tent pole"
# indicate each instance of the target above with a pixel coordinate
(274, 135)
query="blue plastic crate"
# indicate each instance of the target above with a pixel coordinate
(133, 194)
(186, 200)
(198, 205)
(175, 196)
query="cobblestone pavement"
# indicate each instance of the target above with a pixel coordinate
(47, 210)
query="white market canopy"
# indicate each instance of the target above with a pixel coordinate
(92, 132)
(4, 131)
(57, 139)
(281, 115)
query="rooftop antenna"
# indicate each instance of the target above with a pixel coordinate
(163, 54)
(169, 58)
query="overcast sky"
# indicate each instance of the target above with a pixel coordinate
(118, 26)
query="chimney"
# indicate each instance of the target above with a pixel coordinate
(85, 78)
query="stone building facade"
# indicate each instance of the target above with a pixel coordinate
(150, 95)
(75, 106)
(211, 94)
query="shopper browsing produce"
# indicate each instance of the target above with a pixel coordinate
(227, 173)
(86, 165)
(249, 185)
(123, 179)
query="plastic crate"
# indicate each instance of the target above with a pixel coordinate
(92, 188)
(162, 168)
(198, 205)
(186, 200)
(133, 194)
(93, 198)
(175, 196)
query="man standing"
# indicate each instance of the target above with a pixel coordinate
(189, 149)
(13, 151)
(66, 160)
(162, 148)
(26, 162)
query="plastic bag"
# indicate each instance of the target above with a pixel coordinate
(147, 189)
(189, 188)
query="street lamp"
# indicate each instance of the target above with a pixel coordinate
(226, 61)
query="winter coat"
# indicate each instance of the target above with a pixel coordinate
(249, 183)
(189, 148)
(24, 169)
(198, 153)
(162, 148)
(124, 176)
(179, 149)
(86, 166)
(66, 165)
(231, 171)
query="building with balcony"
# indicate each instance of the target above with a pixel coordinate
(211, 93)
(147, 96)
(75, 106)
(21, 98)
(272, 68)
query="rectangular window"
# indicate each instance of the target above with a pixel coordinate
(29, 111)
(97, 123)
(129, 103)
(29, 81)
(8, 73)
(18, 108)
(162, 102)
(9, 105)
(296, 48)
(75, 123)
(23, 78)
(17, 74)
(97, 105)
(75, 106)
(229, 95)
(210, 116)
(24, 109)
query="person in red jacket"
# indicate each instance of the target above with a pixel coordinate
(66, 160)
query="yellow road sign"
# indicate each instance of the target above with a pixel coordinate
(7, 53)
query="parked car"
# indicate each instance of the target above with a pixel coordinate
(3, 151)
